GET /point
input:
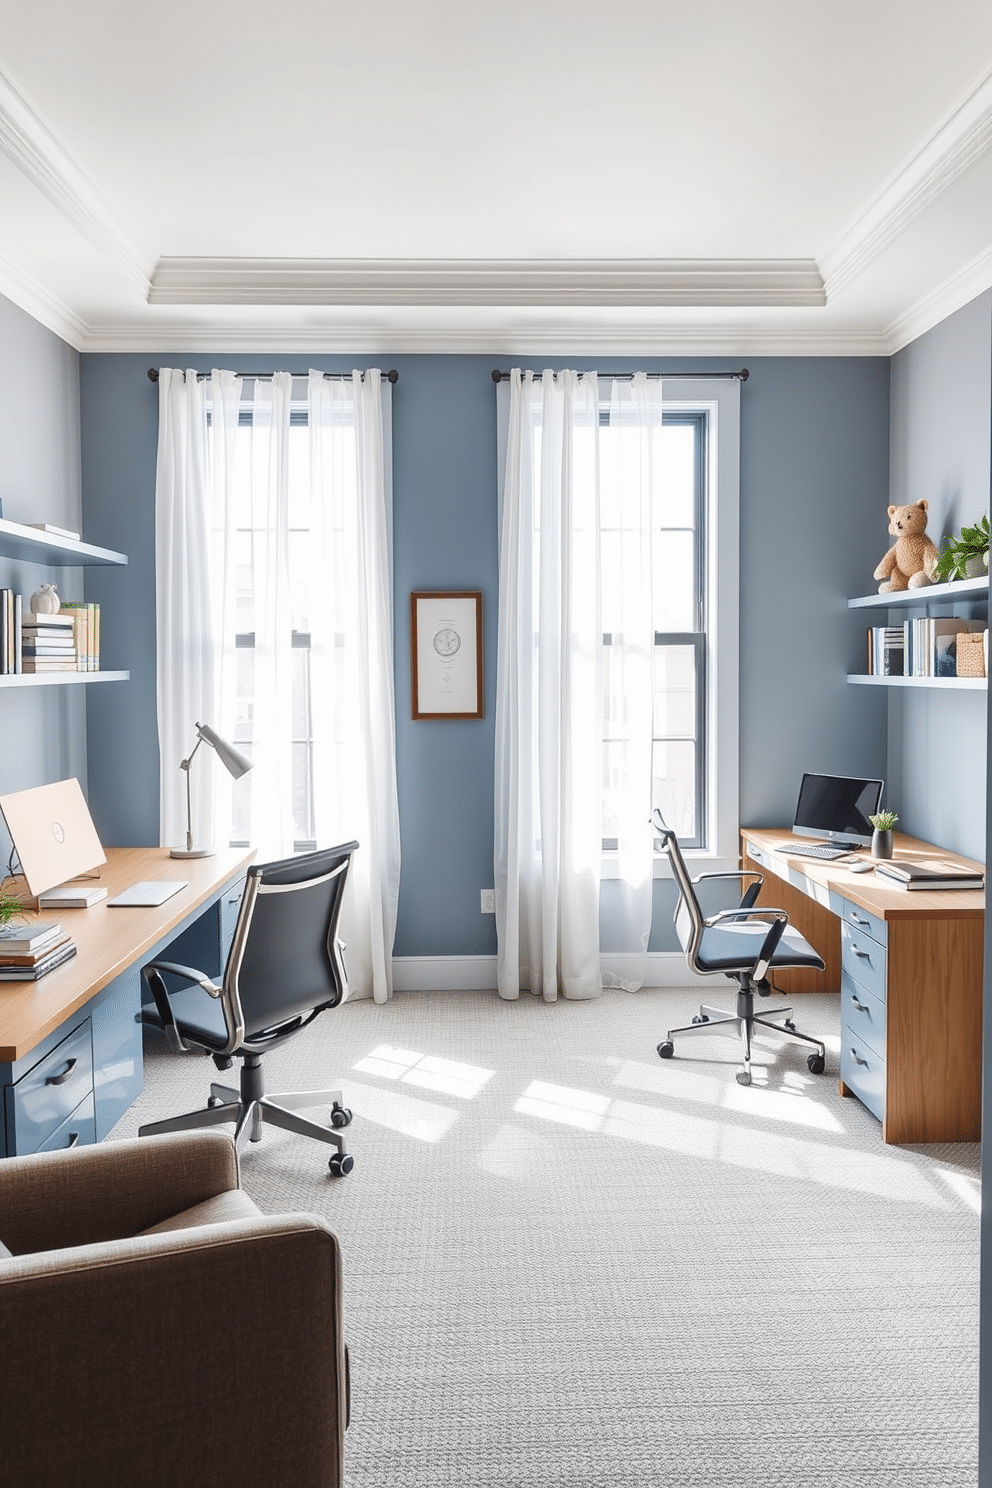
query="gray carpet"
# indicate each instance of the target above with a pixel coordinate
(570, 1264)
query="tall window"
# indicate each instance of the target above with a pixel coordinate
(617, 666)
(274, 622)
(678, 613)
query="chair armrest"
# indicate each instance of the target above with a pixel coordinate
(167, 1359)
(188, 974)
(111, 1190)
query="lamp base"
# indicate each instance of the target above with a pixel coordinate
(192, 852)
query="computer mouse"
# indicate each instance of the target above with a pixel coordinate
(862, 867)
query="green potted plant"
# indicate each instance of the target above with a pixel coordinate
(9, 908)
(967, 555)
(881, 837)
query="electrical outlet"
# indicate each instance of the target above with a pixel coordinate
(488, 897)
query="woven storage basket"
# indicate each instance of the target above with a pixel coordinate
(970, 649)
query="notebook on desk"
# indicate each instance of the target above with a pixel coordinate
(148, 892)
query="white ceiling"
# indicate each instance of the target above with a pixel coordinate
(541, 175)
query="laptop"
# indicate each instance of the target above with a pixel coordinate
(53, 834)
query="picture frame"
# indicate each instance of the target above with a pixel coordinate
(446, 652)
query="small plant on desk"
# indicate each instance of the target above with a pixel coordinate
(9, 906)
(883, 821)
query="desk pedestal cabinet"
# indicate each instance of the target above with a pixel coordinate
(908, 968)
(70, 1044)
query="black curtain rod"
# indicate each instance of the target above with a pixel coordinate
(264, 376)
(742, 374)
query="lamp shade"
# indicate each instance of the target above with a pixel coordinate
(234, 762)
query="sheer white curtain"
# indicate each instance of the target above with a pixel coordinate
(573, 732)
(286, 528)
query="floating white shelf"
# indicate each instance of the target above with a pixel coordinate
(60, 679)
(969, 683)
(27, 543)
(928, 595)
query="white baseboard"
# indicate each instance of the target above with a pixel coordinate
(478, 973)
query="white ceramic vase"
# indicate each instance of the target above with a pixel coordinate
(45, 601)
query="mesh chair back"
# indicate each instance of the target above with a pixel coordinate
(690, 921)
(285, 957)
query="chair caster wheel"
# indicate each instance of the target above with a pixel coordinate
(789, 1025)
(814, 1064)
(340, 1164)
(701, 1018)
(340, 1116)
(743, 1077)
(213, 1101)
(667, 1049)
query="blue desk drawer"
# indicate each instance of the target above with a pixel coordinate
(859, 919)
(862, 1013)
(862, 1071)
(50, 1092)
(78, 1130)
(863, 959)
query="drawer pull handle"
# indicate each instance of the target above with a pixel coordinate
(858, 919)
(857, 1058)
(73, 1140)
(859, 1005)
(865, 955)
(60, 1079)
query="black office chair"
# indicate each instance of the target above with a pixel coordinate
(744, 943)
(286, 965)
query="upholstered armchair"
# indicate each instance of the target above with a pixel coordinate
(158, 1329)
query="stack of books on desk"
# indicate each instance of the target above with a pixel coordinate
(933, 874)
(27, 952)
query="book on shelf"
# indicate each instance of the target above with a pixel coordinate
(930, 644)
(10, 631)
(22, 939)
(58, 622)
(885, 651)
(86, 618)
(35, 664)
(936, 873)
(33, 958)
(53, 531)
(58, 957)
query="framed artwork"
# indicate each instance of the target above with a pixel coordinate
(446, 674)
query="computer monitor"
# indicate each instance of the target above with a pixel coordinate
(53, 833)
(837, 807)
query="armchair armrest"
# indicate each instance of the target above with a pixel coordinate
(149, 1361)
(114, 1189)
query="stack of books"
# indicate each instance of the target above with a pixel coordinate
(935, 873)
(28, 952)
(49, 643)
(886, 650)
(10, 632)
(86, 623)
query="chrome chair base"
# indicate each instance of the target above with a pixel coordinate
(746, 1020)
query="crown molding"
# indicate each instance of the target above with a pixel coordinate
(523, 282)
(28, 295)
(955, 146)
(974, 279)
(365, 339)
(28, 142)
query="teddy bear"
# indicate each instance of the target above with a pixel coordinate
(909, 563)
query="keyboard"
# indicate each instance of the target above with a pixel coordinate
(808, 850)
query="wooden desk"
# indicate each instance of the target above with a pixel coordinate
(909, 970)
(95, 998)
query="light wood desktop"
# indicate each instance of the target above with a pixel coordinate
(95, 997)
(909, 968)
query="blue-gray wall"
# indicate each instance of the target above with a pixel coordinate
(940, 451)
(42, 730)
(814, 476)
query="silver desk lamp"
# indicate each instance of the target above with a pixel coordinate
(235, 763)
